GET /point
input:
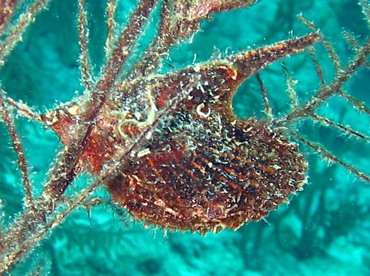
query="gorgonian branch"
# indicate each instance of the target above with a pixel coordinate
(6, 11)
(179, 20)
(17, 145)
(130, 33)
(83, 35)
(365, 6)
(327, 91)
(64, 170)
(326, 154)
(111, 25)
(199, 9)
(23, 247)
(17, 30)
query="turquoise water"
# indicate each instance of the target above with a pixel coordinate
(323, 231)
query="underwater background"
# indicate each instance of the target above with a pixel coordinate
(325, 230)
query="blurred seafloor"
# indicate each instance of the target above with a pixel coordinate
(325, 230)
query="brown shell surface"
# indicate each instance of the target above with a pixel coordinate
(203, 169)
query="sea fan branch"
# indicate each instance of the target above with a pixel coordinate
(165, 38)
(26, 245)
(268, 109)
(291, 87)
(83, 35)
(327, 91)
(111, 25)
(345, 129)
(328, 46)
(356, 103)
(6, 11)
(318, 67)
(22, 109)
(130, 33)
(179, 20)
(19, 27)
(366, 10)
(17, 145)
(325, 153)
(63, 171)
